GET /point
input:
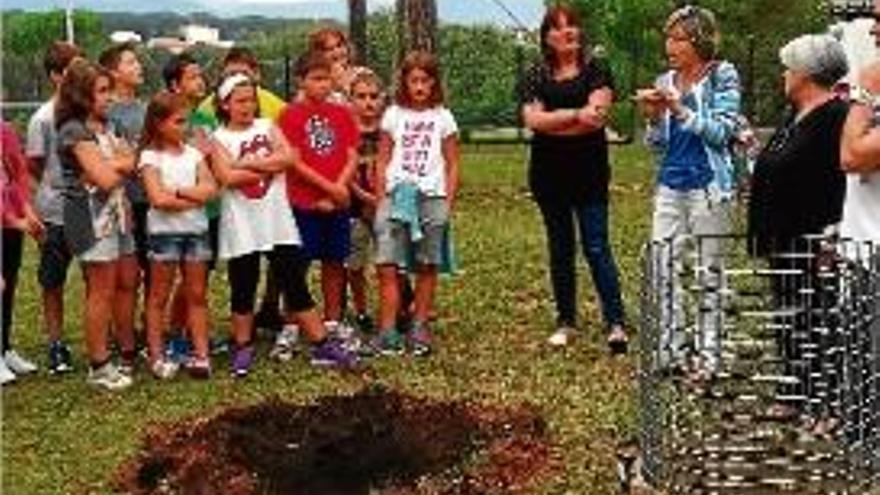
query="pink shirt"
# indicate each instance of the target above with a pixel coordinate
(14, 180)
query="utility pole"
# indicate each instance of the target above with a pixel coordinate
(357, 29)
(417, 26)
(68, 21)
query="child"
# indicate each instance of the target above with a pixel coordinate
(417, 182)
(178, 183)
(55, 256)
(333, 44)
(126, 120)
(324, 139)
(183, 76)
(240, 60)
(18, 218)
(250, 160)
(367, 102)
(96, 215)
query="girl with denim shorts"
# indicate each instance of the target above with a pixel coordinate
(417, 181)
(178, 183)
(97, 218)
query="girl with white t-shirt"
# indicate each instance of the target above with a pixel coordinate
(417, 182)
(178, 183)
(250, 159)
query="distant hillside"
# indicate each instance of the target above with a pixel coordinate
(167, 23)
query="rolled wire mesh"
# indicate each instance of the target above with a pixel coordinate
(759, 371)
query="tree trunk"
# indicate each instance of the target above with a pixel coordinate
(417, 25)
(357, 29)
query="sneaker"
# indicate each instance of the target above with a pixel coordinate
(419, 340)
(108, 377)
(218, 346)
(164, 369)
(285, 344)
(332, 353)
(388, 343)
(6, 374)
(59, 358)
(177, 349)
(126, 367)
(200, 369)
(17, 364)
(562, 336)
(364, 323)
(242, 361)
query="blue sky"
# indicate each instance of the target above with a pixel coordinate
(459, 11)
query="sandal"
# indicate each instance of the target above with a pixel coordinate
(618, 341)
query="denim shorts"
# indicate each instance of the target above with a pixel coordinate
(394, 244)
(110, 248)
(169, 248)
(55, 258)
(325, 236)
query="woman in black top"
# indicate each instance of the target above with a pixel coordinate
(797, 190)
(565, 100)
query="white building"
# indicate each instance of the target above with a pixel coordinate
(125, 37)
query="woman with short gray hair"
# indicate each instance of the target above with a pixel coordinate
(797, 190)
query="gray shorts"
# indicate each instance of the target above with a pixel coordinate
(361, 246)
(394, 245)
(109, 248)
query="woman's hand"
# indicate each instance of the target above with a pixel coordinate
(652, 103)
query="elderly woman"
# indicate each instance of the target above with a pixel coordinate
(565, 100)
(797, 190)
(692, 116)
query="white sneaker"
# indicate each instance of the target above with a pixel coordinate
(562, 336)
(6, 374)
(18, 364)
(108, 377)
(164, 369)
(285, 343)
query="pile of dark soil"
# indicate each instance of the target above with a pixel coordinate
(374, 442)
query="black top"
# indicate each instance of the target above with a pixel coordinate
(798, 186)
(571, 168)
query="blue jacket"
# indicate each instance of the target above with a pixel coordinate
(718, 97)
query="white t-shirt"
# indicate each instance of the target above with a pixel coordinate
(861, 208)
(417, 157)
(176, 170)
(254, 218)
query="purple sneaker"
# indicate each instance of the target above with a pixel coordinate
(331, 353)
(242, 360)
(420, 340)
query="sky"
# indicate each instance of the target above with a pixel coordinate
(457, 11)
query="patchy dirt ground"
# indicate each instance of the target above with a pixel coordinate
(377, 441)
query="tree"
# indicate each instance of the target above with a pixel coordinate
(417, 25)
(357, 28)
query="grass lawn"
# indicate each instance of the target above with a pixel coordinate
(59, 436)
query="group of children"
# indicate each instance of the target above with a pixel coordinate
(154, 195)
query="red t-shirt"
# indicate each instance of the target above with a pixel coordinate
(323, 133)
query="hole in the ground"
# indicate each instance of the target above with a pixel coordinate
(376, 441)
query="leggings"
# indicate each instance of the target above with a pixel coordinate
(289, 266)
(13, 242)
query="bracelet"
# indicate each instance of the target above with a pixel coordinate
(862, 96)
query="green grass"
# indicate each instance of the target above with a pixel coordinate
(61, 437)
